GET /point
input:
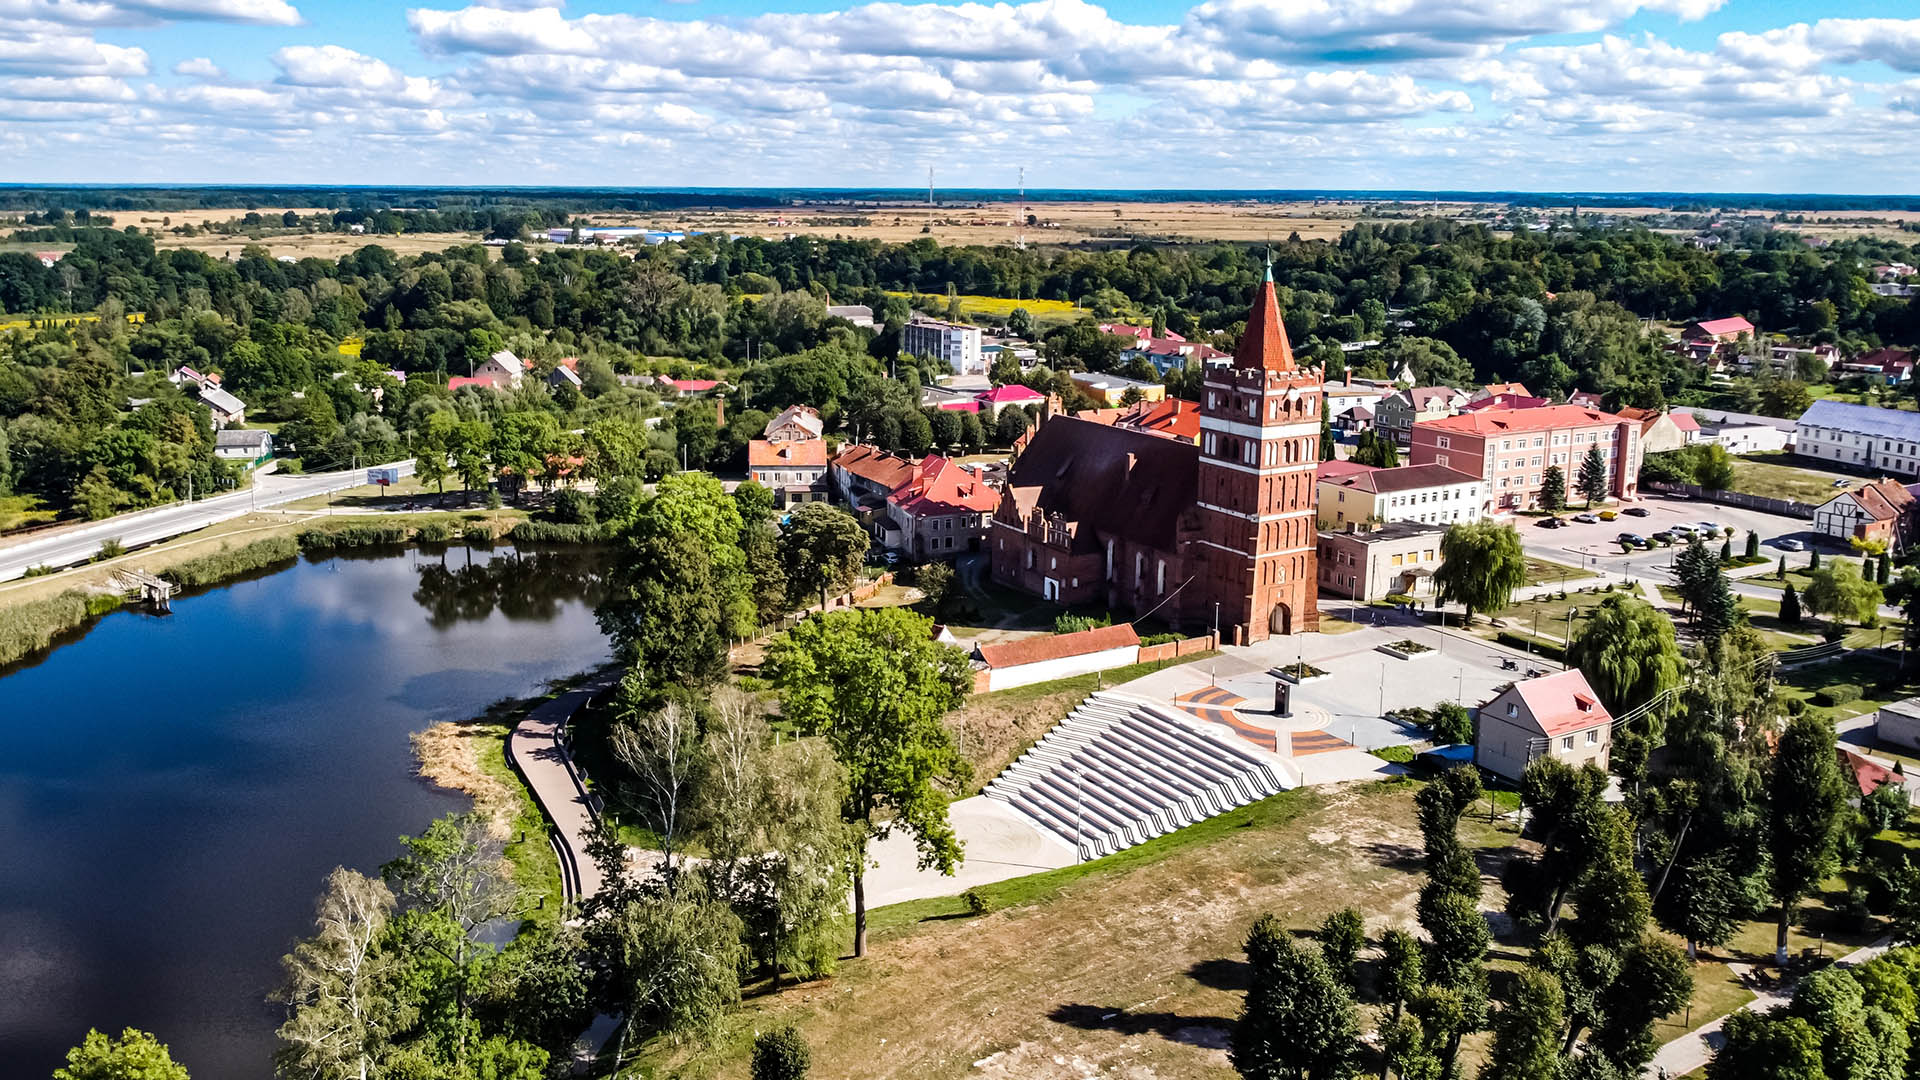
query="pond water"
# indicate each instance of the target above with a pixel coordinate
(174, 790)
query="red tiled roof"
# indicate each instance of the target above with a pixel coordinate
(1562, 703)
(1336, 470)
(1734, 325)
(1506, 401)
(693, 386)
(939, 486)
(959, 406)
(802, 453)
(1868, 774)
(1519, 389)
(1883, 500)
(1058, 646)
(1171, 416)
(458, 381)
(872, 464)
(1502, 421)
(1264, 344)
(1012, 392)
(1685, 421)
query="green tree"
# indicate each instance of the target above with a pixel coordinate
(1839, 592)
(821, 551)
(1298, 1022)
(1526, 1030)
(680, 592)
(1553, 490)
(135, 1055)
(1452, 724)
(1481, 564)
(1628, 653)
(781, 1054)
(675, 960)
(1342, 938)
(1790, 606)
(1373, 448)
(1712, 467)
(1753, 544)
(1702, 903)
(876, 685)
(1329, 451)
(1805, 797)
(1883, 570)
(341, 1009)
(696, 433)
(1592, 480)
(1009, 426)
(1020, 321)
(1400, 968)
(1765, 1046)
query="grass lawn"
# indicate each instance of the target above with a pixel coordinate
(1879, 680)
(535, 867)
(1125, 966)
(1540, 572)
(1772, 475)
(1551, 612)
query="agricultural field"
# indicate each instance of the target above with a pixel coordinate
(318, 245)
(995, 309)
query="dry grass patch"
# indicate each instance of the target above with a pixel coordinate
(448, 753)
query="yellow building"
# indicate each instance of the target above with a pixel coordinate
(1351, 494)
(1108, 389)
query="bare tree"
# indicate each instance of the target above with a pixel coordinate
(337, 1015)
(661, 748)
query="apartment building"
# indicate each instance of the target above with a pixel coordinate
(1511, 450)
(1398, 558)
(1860, 436)
(1428, 494)
(955, 344)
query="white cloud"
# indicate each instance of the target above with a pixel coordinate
(137, 12)
(199, 67)
(39, 49)
(1800, 47)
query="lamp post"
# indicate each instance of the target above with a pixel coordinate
(1216, 624)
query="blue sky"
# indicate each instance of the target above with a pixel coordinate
(1748, 95)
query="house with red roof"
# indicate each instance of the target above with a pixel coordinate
(1011, 394)
(1512, 449)
(942, 511)
(1055, 656)
(1505, 401)
(1883, 510)
(1866, 774)
(1586, 399)
(1720, 330)
(1555, 715)
(686, 387)
(1662, 431)
(1498, 389)
(795, 470)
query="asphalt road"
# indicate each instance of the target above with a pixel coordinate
(67, 547)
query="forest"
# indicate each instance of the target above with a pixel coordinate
(311, 345)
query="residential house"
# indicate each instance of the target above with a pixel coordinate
(1399, 412)
(1343, 397)
(1351, 494)
(1505, 389)
(1890, 365)
(1368, 563)
(1555, 715)
(1883, 510)
(566, 373)
(858, 314)
(1013, 394)
(1511, 450)
(1860, 436)
(795, 423)
(1109, 389)
(673, 387)
(227, 410)
(1892, 271)
(1120, 517)
(1744, 433)
(1661, 431)
(243, 445)
(795, 470)
(502, 370)
(1505, 401)
(955, 344)
(863, 476)
(1354, 420)
(942, 511)
(1718, 330)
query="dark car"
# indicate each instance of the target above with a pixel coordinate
(1634, 511)
(1663, 537)
(1635, 539)
(1552, 523)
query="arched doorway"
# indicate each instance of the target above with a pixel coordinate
(1281, 623)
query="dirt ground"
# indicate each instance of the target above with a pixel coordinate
(1134, 973)
(993, 729)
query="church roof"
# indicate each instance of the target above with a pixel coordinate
(1264, 344)
(1112, 480)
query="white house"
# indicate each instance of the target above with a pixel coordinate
(1864, 437)
(957, 344)
(502, 369)
(243, 445)
(1556, 716)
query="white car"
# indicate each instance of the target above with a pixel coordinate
(1789, 544)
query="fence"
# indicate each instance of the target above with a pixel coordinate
(1763, 503)
(1169, 650)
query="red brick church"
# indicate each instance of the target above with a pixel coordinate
(1191, 534)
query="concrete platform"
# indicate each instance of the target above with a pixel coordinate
(1000, 841)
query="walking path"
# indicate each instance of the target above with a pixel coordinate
(535, 748)
(1692, 1050)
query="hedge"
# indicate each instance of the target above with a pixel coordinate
(1546, 650)
(433, 532)
(1837, 694)
(553, 532)
(231, 562)
(478, 533)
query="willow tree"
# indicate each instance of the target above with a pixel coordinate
(1628, 653)
(1481, 565)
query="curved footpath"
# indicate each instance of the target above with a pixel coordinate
(535, 747)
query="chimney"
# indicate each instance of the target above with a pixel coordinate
(1348, 375)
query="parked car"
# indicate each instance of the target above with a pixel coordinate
(1585, 519)
(1608, 515)
(1634, 539)
(1681, 532)
(1840, 483)
(1711, 528)
(1635, 511)
(1552, 523)
(1789, 544)
(1663, 537)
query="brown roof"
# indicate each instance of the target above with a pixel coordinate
(1264, 343)
(809, 453)
(1884, 500)
(1411, 477)
(1058, 646)
(872, 464)
(1112, 480)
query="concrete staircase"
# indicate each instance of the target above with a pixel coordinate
(1120, 770)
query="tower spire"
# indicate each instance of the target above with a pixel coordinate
(1264, 343)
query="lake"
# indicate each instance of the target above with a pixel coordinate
(175, 789)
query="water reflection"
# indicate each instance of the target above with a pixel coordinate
(529, 585)
(176, 789)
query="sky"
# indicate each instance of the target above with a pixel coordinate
(1545, 95)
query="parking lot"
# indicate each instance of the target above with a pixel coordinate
(1593, 545)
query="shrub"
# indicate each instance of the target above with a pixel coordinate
(27, 628)
(231, 562)
(40, 571)
(493, 499)
(553, 532)
(363, 534)
(433, 532)
(1399, 755)
(1452, 724)
(1074, 624)
(1161, 639)
(477, 533)
(1837, 694)
(1545, 650)
(111, 549)
(781, 1054)
(570, 506)
(976, 904)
